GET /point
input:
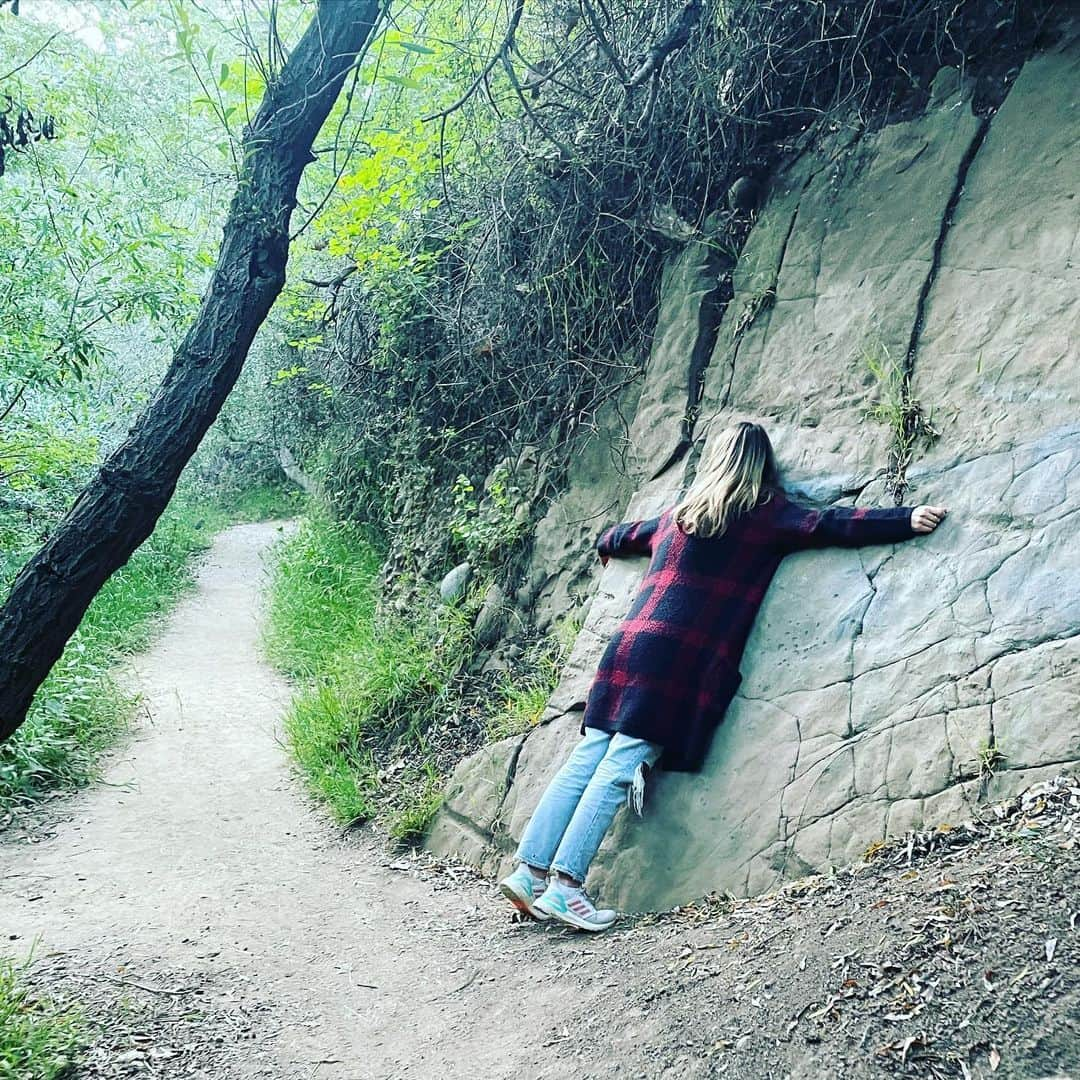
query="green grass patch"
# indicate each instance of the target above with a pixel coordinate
(323, 597)
(420, 797)
(523, 695)
(80, 708)
(521, 709)
(371, 682)
(38, 1039)
(265, 502)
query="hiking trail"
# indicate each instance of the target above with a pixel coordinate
(200, 863)
(214, 924)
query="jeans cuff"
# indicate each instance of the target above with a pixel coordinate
(561, 868)
(539, 864)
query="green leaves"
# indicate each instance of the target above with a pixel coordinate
(33, 457)
(102, 228)
(284, 375)
(402, 80)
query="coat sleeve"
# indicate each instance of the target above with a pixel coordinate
(799, 527)
(627, 538)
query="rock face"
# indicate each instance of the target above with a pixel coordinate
(884, 688)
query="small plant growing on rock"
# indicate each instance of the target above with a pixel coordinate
(526, 693)
(990, 757)
(757, 303)
(521, 709)
(486, 526)
(900, 412)
(874, 849)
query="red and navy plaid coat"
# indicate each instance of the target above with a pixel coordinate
(671, 669)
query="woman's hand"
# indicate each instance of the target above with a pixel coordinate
(925, 519)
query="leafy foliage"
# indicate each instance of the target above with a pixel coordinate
(485, 527)
(89, 227)
(104, 241)
(485, 273)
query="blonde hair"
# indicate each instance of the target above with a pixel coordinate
(736, 474)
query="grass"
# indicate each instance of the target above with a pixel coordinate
(267, 502)
(371, 683)
(421, 796)
(38, 1040)
(990, 757)
(80, 708)
(384, 708)
(901, 413)
(521, 709)
(524, 696)
(323, 597)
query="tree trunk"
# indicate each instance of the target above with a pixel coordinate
(119, 508)
(291, 468)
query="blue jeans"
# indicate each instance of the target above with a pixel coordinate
(576, 810)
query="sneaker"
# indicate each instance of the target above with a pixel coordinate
(573, 907)
(522, 888)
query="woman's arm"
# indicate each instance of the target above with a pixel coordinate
(799, 527)
(627, 538)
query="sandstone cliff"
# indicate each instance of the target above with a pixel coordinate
(930, 267)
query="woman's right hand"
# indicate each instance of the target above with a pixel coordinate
(925, 519)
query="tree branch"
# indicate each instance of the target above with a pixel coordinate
(27, 63)
(677, 36)
(507, 41)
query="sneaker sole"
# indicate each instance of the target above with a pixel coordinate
(570, 919)
(523, 905)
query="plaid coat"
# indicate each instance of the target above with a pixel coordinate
(672, 667)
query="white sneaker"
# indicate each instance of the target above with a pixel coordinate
(573, 907)
(522, 888)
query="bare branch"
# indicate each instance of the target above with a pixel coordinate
(27, 63)
(507, 41)
(677, 36)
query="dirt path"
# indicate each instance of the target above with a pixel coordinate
(200, 864)
(216, 926)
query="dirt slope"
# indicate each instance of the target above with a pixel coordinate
(215, 925)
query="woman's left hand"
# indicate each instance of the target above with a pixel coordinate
(925, 519)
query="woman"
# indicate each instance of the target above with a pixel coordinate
(669, 672)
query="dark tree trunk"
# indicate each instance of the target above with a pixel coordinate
(119, 508)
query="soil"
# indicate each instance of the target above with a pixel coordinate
(213, 923)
